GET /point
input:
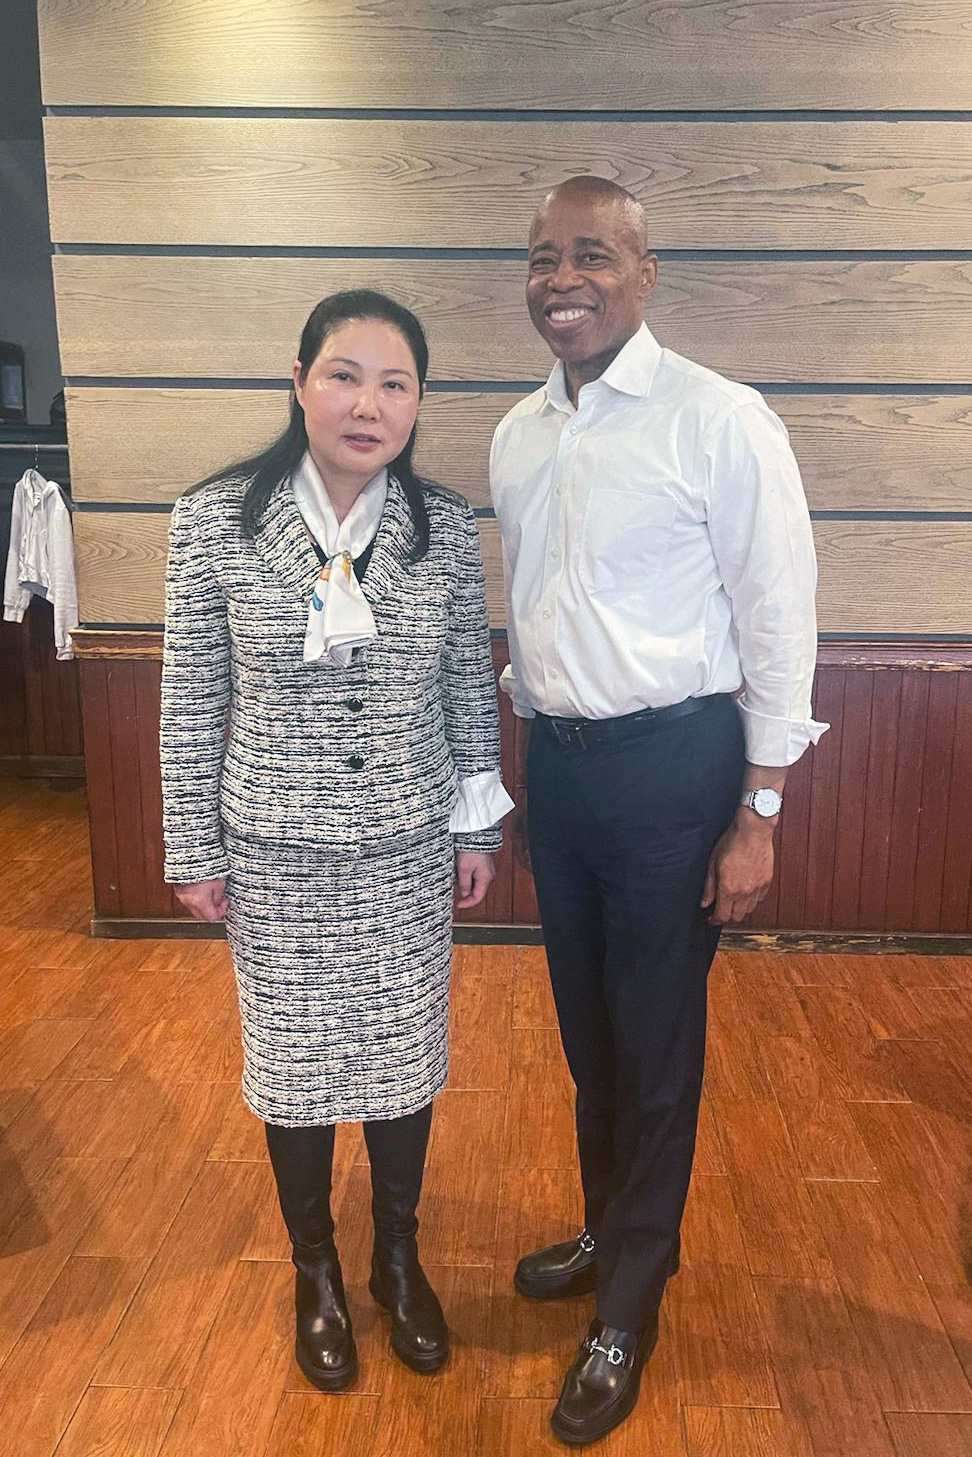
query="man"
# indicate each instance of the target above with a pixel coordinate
(659, 560)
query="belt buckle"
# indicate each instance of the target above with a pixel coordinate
(574, 736)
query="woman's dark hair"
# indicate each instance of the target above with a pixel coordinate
(274, 464)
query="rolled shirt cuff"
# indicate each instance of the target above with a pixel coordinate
(481, 802)
(776, 743)
(507, 681)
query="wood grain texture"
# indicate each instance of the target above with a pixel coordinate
(826, 321)
(281, 182)
(873, 575)
(747, 1366)
(695, 55)
(856, 452)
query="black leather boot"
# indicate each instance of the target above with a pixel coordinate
(325, 1346)
(396, 1148)
(301, 1159)
(601, 1386)
(568, 1269)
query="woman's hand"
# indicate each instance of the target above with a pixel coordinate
(475, 873)
(205, 900)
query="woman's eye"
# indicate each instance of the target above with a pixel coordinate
(341, 374)
(395, 384)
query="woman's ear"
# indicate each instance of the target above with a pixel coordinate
(297, 374)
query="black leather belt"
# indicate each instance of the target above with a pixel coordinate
(589, 733)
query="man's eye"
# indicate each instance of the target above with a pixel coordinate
(537, 263)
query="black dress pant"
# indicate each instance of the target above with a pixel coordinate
(620, 839)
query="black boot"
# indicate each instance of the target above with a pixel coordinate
(396, 1148)
(301, 1159)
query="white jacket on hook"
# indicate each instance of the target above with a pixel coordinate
(40, 561)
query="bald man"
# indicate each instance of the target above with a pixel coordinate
(660, 581)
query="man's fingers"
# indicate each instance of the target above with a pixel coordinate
(709, 892)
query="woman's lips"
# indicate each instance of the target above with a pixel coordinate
(362, 442)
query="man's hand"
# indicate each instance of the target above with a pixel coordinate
(205, 900)
(475, 873)
(740, 868)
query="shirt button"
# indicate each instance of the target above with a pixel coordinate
(554, 673)
(559, 491)
(547, 612)
(355, 705)
(555, 556)
(355, 762)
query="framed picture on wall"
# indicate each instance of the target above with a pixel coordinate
(13, 390)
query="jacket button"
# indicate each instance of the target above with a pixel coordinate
(356, 762)
(355, 705)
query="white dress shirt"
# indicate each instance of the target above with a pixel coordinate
(657, 546)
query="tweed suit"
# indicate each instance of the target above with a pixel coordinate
(326, 802)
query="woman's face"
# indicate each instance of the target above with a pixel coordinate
(360, 398)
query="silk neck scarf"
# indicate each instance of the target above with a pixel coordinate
(339, 618)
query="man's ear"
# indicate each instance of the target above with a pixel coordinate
(649, 273)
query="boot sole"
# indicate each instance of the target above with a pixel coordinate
(334, 1380)
(424, 1365)
(571, 1437)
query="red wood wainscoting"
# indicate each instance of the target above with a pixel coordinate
(40, 705)
(876, 838)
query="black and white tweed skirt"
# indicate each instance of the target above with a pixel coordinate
(342, 965)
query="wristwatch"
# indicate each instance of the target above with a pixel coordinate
(766, 802)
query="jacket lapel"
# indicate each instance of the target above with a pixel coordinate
(286, 549)
(393, 542)
(285, 546)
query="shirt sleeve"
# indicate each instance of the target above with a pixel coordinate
(468, 688)
(759, 526)
(195, 704)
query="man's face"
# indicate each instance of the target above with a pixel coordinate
(587, 279)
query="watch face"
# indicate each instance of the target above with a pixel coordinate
(767, 802)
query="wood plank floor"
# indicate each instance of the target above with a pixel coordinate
(824, 1307)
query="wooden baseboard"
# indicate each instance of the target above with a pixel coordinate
(42, 766)
(848, 943)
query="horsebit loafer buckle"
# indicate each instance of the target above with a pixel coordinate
(586, 1242)
(615, 1355)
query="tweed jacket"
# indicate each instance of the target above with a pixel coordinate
(342, 758)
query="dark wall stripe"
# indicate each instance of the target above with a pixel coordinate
(327, 113)
(161, 508)
(512, 255)
(487, 386)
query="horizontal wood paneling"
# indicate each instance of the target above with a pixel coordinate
(875, 576)
(121, 567)
(876, 832)
(857, 452)
(704, 54)
(906, 321)
(295, 183)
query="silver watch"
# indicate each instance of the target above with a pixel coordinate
(766, 802)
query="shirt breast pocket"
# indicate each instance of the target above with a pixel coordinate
(625, 540)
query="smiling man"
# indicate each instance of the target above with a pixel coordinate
(660, 584)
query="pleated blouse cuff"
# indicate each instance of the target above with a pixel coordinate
(481, 802)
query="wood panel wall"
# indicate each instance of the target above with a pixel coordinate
(876, 834)
(216, 166)
(40, 703)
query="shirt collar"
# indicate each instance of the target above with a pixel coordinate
(630, 372)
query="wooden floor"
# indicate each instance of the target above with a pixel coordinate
(824, 1307)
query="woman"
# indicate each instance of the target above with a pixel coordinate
(331, 605)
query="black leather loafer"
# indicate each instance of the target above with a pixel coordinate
(559, 1270)
(568, 1269)
(601, 1387)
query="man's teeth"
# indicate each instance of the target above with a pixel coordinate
(567, 316)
